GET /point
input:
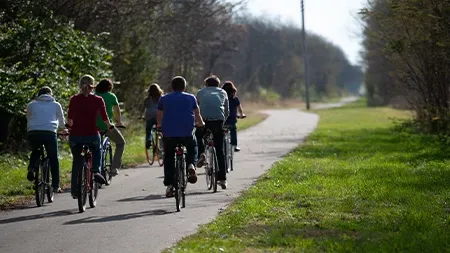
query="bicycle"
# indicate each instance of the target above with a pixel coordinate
(180, 177)
(85, 182)
(107, 156)
(157, 148)
(211, 165)
(228, 149)
(42, 179)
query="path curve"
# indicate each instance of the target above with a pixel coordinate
(133, 215)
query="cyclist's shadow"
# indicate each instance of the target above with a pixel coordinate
(39, 216)
(119, 217)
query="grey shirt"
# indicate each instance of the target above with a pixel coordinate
(213, 103)
(150, 108)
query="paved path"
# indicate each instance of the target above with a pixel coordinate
(133, 215)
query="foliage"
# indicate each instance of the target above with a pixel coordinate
(38, 50)
(408, 57)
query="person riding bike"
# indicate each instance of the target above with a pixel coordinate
(177, 114)
(104, 90)
(44, 117)
(235, 107)
(213, 102)
(149, 109)
(84, 108)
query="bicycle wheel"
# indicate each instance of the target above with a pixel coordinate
(93, 191)
(49, 189)
(39, 184)
(214, 169)
(183, 182)
(208, 170)
(160, 149)
(177, 184)
(226, 154)
(231, 158)
(82, 188)
(150, 154)
(106, 171)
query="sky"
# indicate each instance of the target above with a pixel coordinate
(336, 20)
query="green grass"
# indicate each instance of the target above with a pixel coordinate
(356, 185)
(16, 189)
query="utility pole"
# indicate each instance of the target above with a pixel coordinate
(305, 56)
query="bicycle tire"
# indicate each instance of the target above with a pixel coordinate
(82, 188)
(183, 181)
(177, 185)
(208, 170)
(106, 171)
(150, 154)
(160, 150)
(225, 153)
(93, 192)
(49, 188)
(214, 169)
(39, 191)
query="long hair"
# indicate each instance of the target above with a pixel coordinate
(154, 92)
(230, 88)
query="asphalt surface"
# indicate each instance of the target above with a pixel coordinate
(132, 215)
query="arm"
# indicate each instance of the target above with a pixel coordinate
(159, 113)
(28, 112)
(240, 107)
(70, 113)
(103, 114)
(117, 115)
(226, 105)
(159, 116)
(144, 107)
(197, 116)
(60, 116)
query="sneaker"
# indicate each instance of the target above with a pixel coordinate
(169, 191)
(114, 172)
(201, 161)
(57, 190)
(74, 196)
(99, 178)
(237, 149)
(222, 183)
(192, 177)
(30, 175)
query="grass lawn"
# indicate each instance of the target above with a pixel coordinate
(357, 185)
(16, 189)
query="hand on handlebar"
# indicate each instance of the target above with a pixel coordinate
(200, 124)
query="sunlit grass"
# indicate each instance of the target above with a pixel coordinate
(356, 185)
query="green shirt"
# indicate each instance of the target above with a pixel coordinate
(110, 101)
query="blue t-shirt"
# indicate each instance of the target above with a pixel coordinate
(178, 117)
(233, 105)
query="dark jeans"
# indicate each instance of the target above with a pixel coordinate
(48, 139)
(233, 134)
(76, 145)
(170, 144)
(148, 128)
(218, 135)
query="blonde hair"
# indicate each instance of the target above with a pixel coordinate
(86, 84)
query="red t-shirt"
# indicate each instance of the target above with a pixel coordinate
(83, 112)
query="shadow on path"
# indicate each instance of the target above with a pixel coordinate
(119, 217)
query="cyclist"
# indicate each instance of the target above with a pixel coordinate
(84, 108)
(235, 107)
(177, 114)
(213, 102)
(44, 116)
(149, 108)
(104, 90)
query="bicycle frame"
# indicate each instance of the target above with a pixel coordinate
(180, 176)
